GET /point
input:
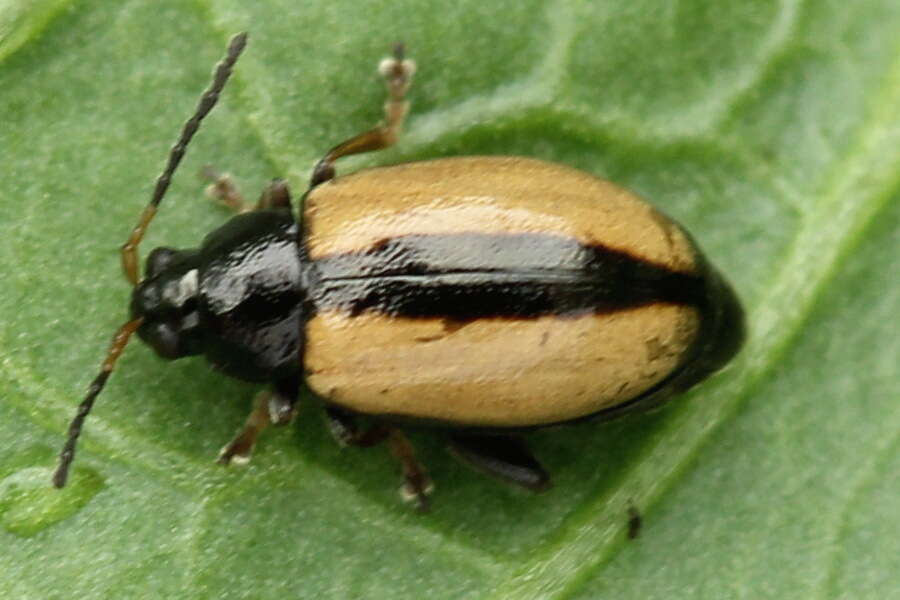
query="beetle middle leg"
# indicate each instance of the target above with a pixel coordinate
(222, 188)
(416, 483)
(270, 407)
(397, 72)
(344, 429)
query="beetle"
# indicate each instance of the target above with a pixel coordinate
(477, 296)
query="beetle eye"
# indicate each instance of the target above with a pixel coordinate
(163, 338)
(145, 299)
(159, 259)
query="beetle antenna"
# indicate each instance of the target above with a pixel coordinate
(119, 341)
(207, 102)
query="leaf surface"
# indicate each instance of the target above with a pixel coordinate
(770, 129)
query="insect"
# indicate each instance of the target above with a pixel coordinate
(477, 296)
(635, 521)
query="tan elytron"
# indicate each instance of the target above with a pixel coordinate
(492, 372)
(495, 372)
(488, 195)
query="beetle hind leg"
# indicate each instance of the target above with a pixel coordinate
(270, 407)
(397, 72)
(505, 457)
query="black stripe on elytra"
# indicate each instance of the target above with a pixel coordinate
(468, 276)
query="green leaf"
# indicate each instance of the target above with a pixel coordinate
(770, 129)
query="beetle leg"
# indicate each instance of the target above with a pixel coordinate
(270, 407)
(417, 485)
(275, 195)
(282, 403)
(343, 427)
(503, 456)
(238, 450)
(397, 72)
(223, 189)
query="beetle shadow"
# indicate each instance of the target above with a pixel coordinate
(586, 460)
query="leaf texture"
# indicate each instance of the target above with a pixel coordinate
(770, 129)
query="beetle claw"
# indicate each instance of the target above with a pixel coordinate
(235, 452)
(412, 493)
(416, 490)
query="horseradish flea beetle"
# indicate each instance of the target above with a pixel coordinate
(478, 296)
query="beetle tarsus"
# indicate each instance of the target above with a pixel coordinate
(223, 190)
(416, 491)
(236, 452)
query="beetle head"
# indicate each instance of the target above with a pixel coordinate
(166, 301)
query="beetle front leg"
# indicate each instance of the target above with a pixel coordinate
(238, 450)
(270, 407)
(398, 72)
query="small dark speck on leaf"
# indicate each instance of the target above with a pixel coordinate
(634, 522)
